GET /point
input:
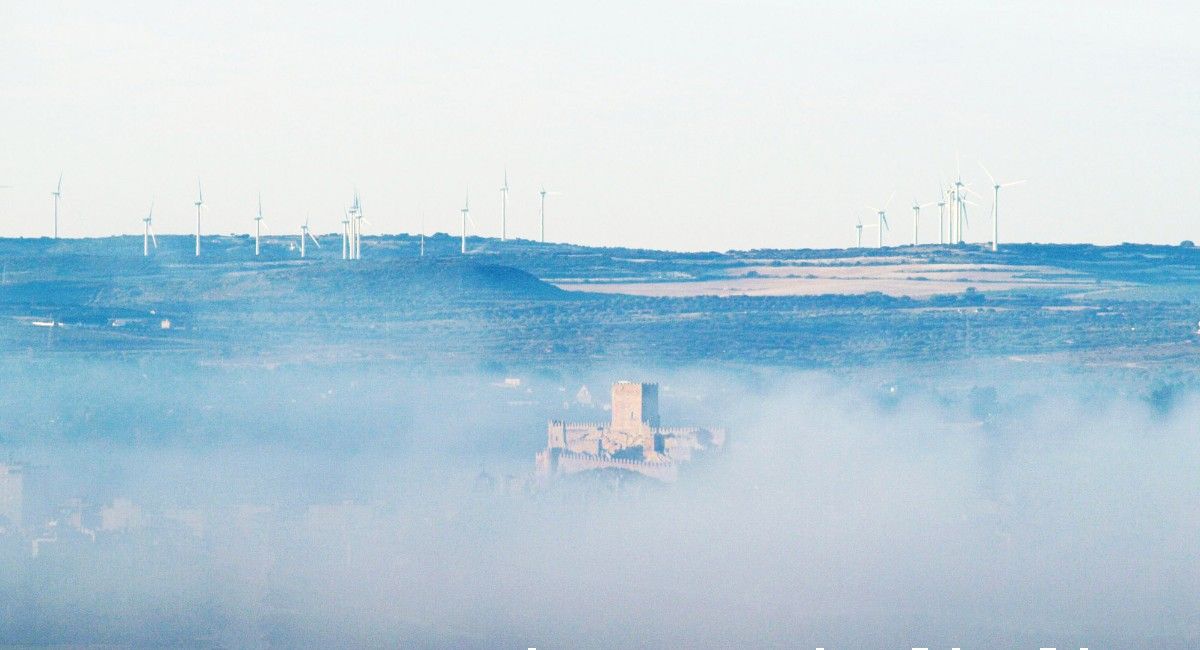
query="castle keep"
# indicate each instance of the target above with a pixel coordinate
(634, 440)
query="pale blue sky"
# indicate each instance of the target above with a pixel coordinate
(690, 125)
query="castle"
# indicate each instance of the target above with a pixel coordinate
(634, 440)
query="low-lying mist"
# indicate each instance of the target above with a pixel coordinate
(326, 506)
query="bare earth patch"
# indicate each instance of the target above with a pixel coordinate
(911, 279)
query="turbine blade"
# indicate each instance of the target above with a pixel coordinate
(1014, 183)
(989, 174)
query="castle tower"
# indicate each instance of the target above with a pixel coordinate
(556, 434)
(634, 406)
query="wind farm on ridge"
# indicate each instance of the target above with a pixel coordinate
(954, 203)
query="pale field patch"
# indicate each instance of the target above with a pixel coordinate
(911, 279)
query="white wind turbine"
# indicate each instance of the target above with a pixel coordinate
(958, 212)
(57, 194)
(504, 208)
(466, 214)
(422, 234)
(883, 222)
(996, 205)
(858, 231)
(917, 218)
(305, 233)
(941, 204)
(199, 203)
(357, 215)
(148, 232)
(258, 220)
(345, 234)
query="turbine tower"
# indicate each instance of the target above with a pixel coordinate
(57, 194)
(504, 208)
(960, 195)
(345, 235)
(422, 235)
(305, 233)
(858, 228)
(258, 226)
(544, 194)
(941, 204)
(199, 203)
(148, 233)
(466, 211)
(356, 227)
(996, 205)
(960, 221)
(883, 222)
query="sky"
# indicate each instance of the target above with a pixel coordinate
(680, 125)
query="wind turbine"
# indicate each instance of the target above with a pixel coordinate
(305, 233)
(859, 228)
(199, 202)
(358, 233)
(422, 235)
(543, 212)
(148, 234)
(504, 208)
(963, 202)
(941, 204)
(883, 222)
(543, 194)
(466, 213)
(57, 194)
(356, 211)
(345, 235)
(996, 205)
(258, 226)
(917, 218)
(958, 217)
(956, 221)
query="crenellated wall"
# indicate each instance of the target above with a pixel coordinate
(558, 463)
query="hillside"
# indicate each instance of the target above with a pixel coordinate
(506, 302)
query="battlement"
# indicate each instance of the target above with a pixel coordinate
(557, 462)
(579, 425)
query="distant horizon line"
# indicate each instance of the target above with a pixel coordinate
(1186, 243)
